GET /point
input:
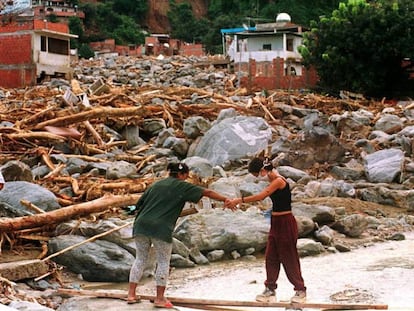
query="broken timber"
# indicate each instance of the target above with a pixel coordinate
(66, 213)
(228, 303)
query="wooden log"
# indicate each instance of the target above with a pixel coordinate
(33, 117)
(211, 308)
(66, 213)
(36, 135)
(228, 303)
(95, 135)
(100, 112)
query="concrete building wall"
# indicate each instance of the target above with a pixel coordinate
(256, 43)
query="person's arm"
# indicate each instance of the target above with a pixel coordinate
(217, 196)
(278, 183)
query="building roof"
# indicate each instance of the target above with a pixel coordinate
(236, 30)
(264, 29)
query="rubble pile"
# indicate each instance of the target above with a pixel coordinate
(87, 118)
(96, 142)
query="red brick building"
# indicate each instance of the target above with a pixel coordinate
(271, 75)
(156, 44)
(31, 49)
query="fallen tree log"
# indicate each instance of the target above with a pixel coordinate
(36, 135)
(66, 213)
(228, 303)
(101, 112)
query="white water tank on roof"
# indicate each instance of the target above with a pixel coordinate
(283, 18)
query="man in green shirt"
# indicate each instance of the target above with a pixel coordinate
(158, 210)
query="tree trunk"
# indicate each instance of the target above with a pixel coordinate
(66, 213)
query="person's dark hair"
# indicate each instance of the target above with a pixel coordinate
(257, 164)
(175, 168)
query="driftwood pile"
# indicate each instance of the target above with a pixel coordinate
(42, 117)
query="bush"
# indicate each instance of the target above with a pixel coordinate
(85, 51)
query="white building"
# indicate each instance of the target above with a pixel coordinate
(265, 42)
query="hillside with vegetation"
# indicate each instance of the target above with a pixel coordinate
(200, 21)
(358, 45)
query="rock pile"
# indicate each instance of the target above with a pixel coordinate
(111, 131)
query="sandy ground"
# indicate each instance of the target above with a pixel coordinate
(379, 274)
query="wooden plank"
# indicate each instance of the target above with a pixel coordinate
(230, 303)
(210, 308)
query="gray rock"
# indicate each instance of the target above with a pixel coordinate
(233, 138)
(325, 235)
(397, 237)
(215, 255)
(121, 169)
(16, 171)
(98, 261)
(131, 134)
(15, 191)
(179, 261)
(199, 166)
(305, 226)
(320, 214)
(198, 257)
(27, 306)
(309, 247)
(291, 172)
(210, 230)
(163, 135)
(195, 126)
(389, 124)
(353, 225)
(178, 145)
(154, 126)
(384, 165)
(342, 248)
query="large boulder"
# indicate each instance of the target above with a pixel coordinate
(384, 166)
(16, 191)
(234, 138)
(98, 261)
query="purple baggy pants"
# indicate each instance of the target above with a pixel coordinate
(281, 249)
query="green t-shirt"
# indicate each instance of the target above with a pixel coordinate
(161, 205)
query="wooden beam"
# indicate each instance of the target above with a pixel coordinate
(231, 303)
(66, 213)
(210, 308)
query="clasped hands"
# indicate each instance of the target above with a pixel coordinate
(232, 203)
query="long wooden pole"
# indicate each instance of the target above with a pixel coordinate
(211, 308)
(93, 238)
(230, 303)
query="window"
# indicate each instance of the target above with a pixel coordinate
(43, 47)
(58, 46)
(267, 47)
(290, 71)
(289, 44)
